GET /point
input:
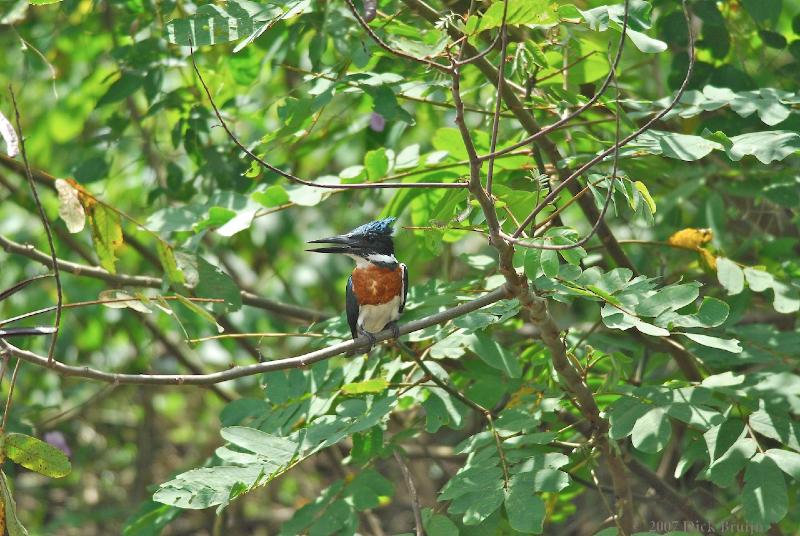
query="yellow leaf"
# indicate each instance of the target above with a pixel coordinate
(375, 385)
(642, 188)
(707, 259)
(690, 238)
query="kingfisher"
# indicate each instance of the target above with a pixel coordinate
(377, 288)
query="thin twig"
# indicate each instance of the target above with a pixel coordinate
(296, 179)
(43, 217)
(498, 96)
(381, 43)
(300, 361)
(609, 195)
(11, 388)
(564, 183)
(252, 335)
(102, 302)
(95, 272)
(412, 492)
(578, 111)
(471, 403)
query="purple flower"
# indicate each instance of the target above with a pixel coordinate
(377, 122)
(58, 440)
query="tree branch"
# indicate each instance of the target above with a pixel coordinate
(294, 178)
(537, 311)
(146, 281)
(233, 373)
(43, 217)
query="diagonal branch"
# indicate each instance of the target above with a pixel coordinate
(585, 167)
(529, 123)
(536, 309)
(233, 373)
(43, 217)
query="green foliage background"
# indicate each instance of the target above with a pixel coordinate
(108, 97)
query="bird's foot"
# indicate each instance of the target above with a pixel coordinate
(372, 341)
(395, 327)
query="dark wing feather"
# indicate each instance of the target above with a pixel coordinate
(404, 269)
(352, 307)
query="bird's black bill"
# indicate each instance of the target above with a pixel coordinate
(345, 247)
(22, 332)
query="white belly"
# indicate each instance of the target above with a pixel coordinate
(373, 318)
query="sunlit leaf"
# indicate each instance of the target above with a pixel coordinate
(36, 455)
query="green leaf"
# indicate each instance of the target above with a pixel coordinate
(495, 355)
(669, 298)
(438, 525)
(12, 522)
(367, 445)
(533, 263)
(772, 39)
(769, 146)
(542, 12)
(788, 461)
(729, 450)
(623, 415)
(367, 488)
(277, 450)
(759, 280)
(776, 425)
(684, 147)
(36, 455)
(478, 505)
(377, 164)
(125, 86)
(764, 492)
(207, 486)
(549, 262)
(599, 19)
(441, 409)
(150, 519)
(214, 283)
(729, 345)
(211, 24)
(730, 276)
(273, 196)
(763, 11)
(375, 385)
(106, 235)
(652, 431)
(168, 262)
(526, 511)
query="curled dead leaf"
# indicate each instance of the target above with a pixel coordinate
(70, 208)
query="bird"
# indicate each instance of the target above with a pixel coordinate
(378, 287)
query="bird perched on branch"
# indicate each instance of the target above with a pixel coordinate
(377, 288)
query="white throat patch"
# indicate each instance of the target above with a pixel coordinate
(373, 258)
